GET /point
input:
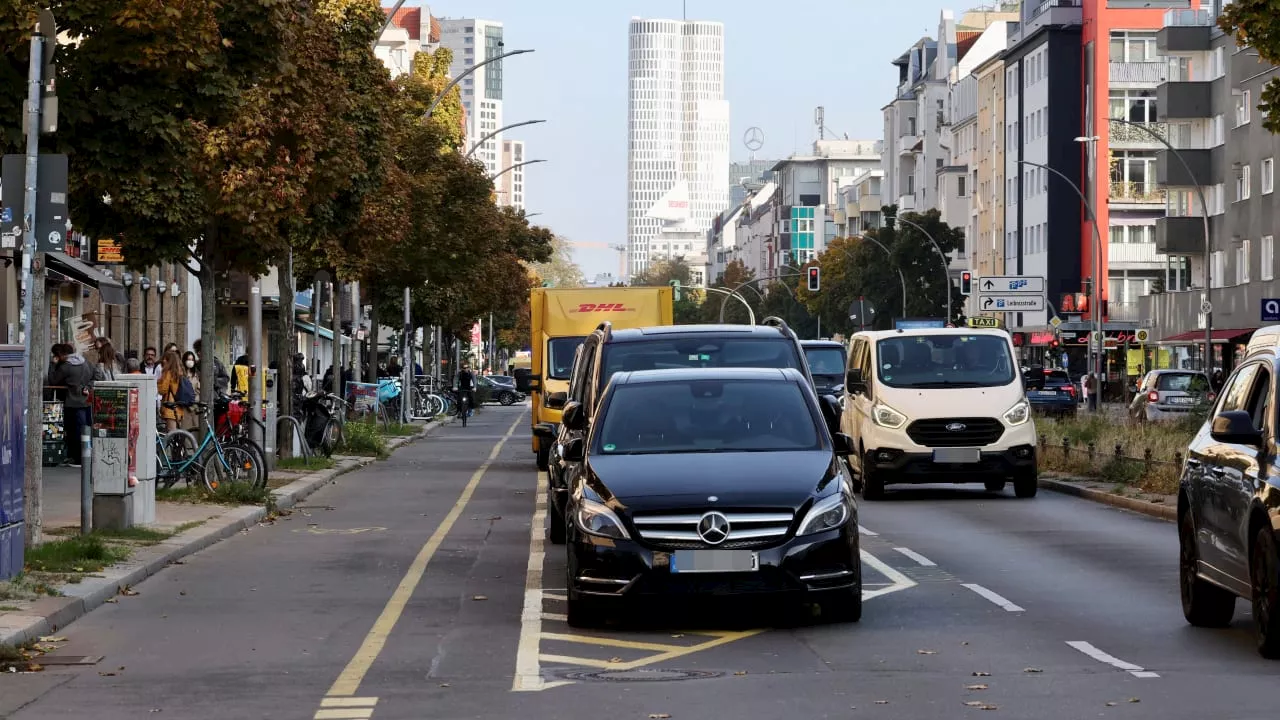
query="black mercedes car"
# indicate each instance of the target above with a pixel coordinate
(710, 481)
(826, 360)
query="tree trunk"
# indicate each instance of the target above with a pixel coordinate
(372, 340)
(208, 324)
(286, 346)
(335, 326)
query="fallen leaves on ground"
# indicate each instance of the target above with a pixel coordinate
(975, 687)
(479, 597)
(926, 652)
(981, 705)
(882, 702)
(128, 591)
(659, 716)
(111, 673)
(615, 660)
(1112, 704)
(112, 600)
(741, 672)
(1032, 670)
(51, 639)
(979, 673)
(1135, 700)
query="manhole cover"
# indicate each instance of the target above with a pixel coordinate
(642, 675)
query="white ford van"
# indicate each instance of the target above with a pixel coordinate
(941, 405)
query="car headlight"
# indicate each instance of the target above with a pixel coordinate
(1018, 414)
(595, 518)
(885, 416)
(828, 514)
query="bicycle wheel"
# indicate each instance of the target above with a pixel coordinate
(330, 438)
(173, 449)
(260, 457)
(236, 465)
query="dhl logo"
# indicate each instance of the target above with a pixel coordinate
(602, 307)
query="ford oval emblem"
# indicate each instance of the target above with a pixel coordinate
(956, 427)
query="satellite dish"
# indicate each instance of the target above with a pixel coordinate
(753, 138)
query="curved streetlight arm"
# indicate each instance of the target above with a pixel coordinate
(901, 278)
(1208, 248)
(946, 263)
(725, 303)
(750, 313)
(432, 107)
(508, 168)
(504, 128)
(391, 16)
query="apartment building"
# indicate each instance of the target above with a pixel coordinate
(472, 41)
(859, 206)
(986, 242)
(1209, 99)
(808, 191)
(412, 30)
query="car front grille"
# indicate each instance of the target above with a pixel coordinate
(955, 432)
(747, 529)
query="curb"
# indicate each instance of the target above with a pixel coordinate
(50, 614)
(1144, 507)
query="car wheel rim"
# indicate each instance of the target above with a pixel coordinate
(1264, 587)
(1187, 558)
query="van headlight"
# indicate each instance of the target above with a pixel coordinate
(827, 514)
(595, 518)
(885, 416)
(1018, 414)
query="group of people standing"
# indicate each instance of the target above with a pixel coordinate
(71, 377)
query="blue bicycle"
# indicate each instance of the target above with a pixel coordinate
(210, 461)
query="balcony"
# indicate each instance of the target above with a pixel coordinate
(1123, 312)
(1178, 100)
(906, 203)
(1185, 31)
(907, 143)
(1138, 74)
(1136, 137)
(1171, 173)
(1131, 193)
(1180, 235)
(1143, 253)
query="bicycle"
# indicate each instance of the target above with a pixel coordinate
(180, 457)
(464, 405)
(232, 416)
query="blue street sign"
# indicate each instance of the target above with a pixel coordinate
(1270, 309)
(917, 324)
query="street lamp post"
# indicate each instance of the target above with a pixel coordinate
(1204, 216)
(504, 128)
(1095, 306)
(432, 107)
(509, 168)
(126, 278)
(161, 288)
(946, 264)
(145, 284)
(901, 278)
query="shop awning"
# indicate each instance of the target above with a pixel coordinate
(112, 291)
(1197, 336)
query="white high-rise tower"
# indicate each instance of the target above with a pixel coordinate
(474, 41)
(677, 138)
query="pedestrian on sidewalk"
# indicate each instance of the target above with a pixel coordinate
(150, 363)
(110, 363)
(1090, 384)
(133, 366)
(171, 376)
(72, 371)
(191, 369)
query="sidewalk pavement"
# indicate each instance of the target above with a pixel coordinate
(202, 525)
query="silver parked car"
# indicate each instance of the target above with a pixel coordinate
(1170, 395)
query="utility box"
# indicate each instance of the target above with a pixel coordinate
(124, 446)
(13, 396)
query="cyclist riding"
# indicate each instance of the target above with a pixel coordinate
(466, 390)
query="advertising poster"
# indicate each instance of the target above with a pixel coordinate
(364, 396)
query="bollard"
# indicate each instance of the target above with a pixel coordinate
(1177, 458)
(1119, 451)
(1146, 459)
(1044, 442)
(1092, 451)
(86, 482)
(1066, 448)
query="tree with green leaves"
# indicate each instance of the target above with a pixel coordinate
(560, 269)
(1256, 24)
(685, 308)
(737, 276)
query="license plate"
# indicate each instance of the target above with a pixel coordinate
(957, 455)
(1045, 393)
(1182, 400)
(713, 561)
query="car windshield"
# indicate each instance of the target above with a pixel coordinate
(560, 356)
(945, 361)
(1182, 382)
(825, 360)
(698, 352)
(686, 416)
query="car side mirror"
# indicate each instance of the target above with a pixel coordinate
(573, 417)
(830, 409)
(1235, 427)
(854, 382)
(575, 451)
(555, 400)
(843, 444)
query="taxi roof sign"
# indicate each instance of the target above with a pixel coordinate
(982, 322)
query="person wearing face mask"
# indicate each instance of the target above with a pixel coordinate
(191, 368)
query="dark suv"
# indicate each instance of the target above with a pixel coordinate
(1229, 502)
(826, 360)
(607, 351)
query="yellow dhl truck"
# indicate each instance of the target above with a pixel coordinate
(560, 320)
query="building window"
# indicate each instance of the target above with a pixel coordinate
(1268, 259)
(1133, 46)
(961, 185)
(1268, 176)
(1133, 172)
(1243, 188)
(1242, 263)
(1244, 108)
(1134, 105)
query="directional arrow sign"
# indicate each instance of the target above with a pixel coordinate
(1005, 284)
(1011, 303)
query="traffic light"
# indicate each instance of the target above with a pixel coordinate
(966, 282)
(814, 282)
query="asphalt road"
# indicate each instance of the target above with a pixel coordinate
(407, 591)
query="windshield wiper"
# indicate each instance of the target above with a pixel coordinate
(945, 384)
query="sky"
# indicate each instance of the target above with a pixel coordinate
(782, 61)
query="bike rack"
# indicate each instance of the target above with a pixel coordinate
(413, 392)
(296, 427)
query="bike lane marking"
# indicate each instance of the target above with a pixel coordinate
(353, 674)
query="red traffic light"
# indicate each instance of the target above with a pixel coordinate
(966, 282)
(813, 279)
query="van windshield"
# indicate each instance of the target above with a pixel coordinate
(825, 360)
(944, 361)
(560, 353)
(698, 352)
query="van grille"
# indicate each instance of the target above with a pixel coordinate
(977, 432)
(747, 529)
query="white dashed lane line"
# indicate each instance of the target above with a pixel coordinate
(1115, 662)
(995, 598)
(920, 559)
(867, 532)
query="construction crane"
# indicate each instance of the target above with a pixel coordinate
(620, 249)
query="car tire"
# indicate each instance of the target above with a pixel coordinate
(1203, 603)
(544, 456)
(872, 481)
(1026, 484)
(506, 398)
(1264, 574)
(556, 529)
(582, 613)
(994, 486)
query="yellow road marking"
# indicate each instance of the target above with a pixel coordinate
(344, 714)
(611, 642)
(570, 660)
(672, 652)
(349, 681)
(349, 702)
(560, 617)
